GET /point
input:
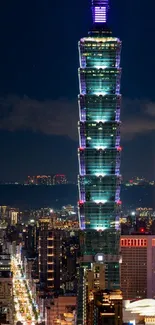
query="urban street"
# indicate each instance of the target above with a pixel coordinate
(26, 310)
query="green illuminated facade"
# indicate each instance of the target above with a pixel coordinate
(99, 130)
(99, 152)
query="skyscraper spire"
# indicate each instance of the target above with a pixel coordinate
(100, 11)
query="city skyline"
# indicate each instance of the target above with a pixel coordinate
(77, 241)
(34, 96)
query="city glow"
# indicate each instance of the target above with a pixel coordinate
(26, 309)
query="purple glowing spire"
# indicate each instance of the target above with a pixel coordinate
(100, 11)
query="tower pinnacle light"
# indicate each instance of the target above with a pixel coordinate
(100, 11)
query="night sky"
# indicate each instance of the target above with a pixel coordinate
(39, 85)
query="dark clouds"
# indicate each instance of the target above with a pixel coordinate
(138, 117)
(59, 117)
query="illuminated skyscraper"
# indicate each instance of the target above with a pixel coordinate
(99, 126)
(99, 147)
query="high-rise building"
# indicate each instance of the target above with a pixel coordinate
(47, 179)
(58, 251)
(6, 294)
(40, 180)
(70, 254)
(3, 212)
(61, 310)
(99, 125)
(99, 151)
(30, 238)
(13, 216)
(138, 266)
(105, 307)
(58, 255)
(44, 180)
(59, 179)
(49, 256)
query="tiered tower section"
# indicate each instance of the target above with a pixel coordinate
(99, 124)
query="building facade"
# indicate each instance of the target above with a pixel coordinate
(50, 256)
(99, 152)
(99, 125)
(59, 179)
(61, 311)
(13, 217)
(105, 307)
(6, 290)
(138, 266)
(47, 179)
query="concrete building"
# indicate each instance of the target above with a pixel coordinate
(57, 310)
(139, 312)
(6, 295)
(50, 255)
(13, 217)
(138, 266)
(105, 307)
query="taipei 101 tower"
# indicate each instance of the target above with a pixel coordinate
(99, 158)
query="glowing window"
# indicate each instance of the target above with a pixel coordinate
(135, 242)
